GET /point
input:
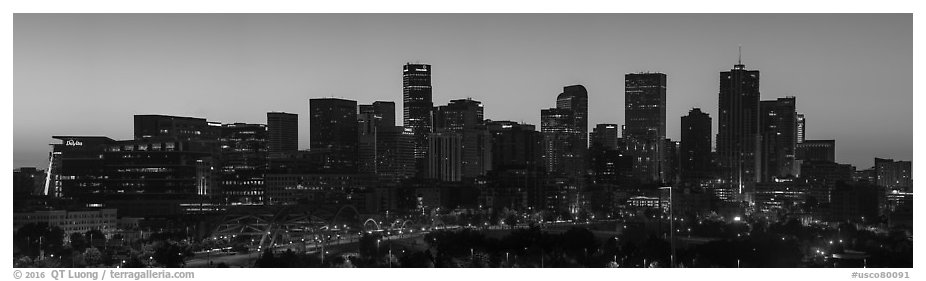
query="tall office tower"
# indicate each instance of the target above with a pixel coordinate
(465, 118)
(283, 129)
(243, 163)
(445, 156)
(670, 161)
(801, 128)
(366, 140)
(894, 175)
(609, 165)
(333, 127)
(373, 119)
(565, 133)
(384, 149)
(517, 157)
(417, 107)
(695, 148)
(605, 136)
(383, 113)
(458, 115)
(575, 98)
(816, 150)
(560, 141)
(395, 154)
(515, 146)
(778, 131)
(738, 130)
(645, 132)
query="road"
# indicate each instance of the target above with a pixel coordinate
(247, 260)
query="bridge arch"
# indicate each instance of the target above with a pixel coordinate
(338, 213)
(374, 223)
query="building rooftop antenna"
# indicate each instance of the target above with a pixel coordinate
(740, 60)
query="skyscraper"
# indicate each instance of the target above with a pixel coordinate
(333, 127)
(384, 149)
(243, 163)
(464, 117)
(383, 113)
(778, 130)
(373, 119)
(605, 136)
(445, 156)
(801, 128)
(738, 130)
(670, 161)
(395, 159)
(565, 131)
(283, 131)
(645, 132)
(515, 146)
(517, 151)
(894, 175)
(695, 148)
(575, 98)
(417, 107)
(560, 139)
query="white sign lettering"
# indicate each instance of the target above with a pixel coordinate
(73, 143)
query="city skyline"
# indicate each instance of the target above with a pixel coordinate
(243, 69)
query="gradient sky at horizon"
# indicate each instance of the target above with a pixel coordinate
(87, 74)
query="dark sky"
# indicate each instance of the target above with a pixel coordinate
(87, 74)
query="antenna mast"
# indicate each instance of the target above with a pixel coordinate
(740, 59)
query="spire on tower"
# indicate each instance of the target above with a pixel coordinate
(740, 60)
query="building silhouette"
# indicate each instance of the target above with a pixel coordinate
(560, 139)
(417, 106)
(370, 121)
(575, 98)
(565, 133)
(464, 117)
(445, 156)
(801, 128)
(894, 175)
(75, 162)
(283, 130)
(816, 150)
(645, 131)
(184, 128)
(778, 129)
(695, 147)
(384, 149)
(671, 161)
(606, 136)
(333, 127)
(243, 163)
(515, 145)
(822, 176)
(738, 131)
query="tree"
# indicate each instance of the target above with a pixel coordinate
(78, 242)
(133, 262)
(93, 256)
(31, 238)
(170, 254)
